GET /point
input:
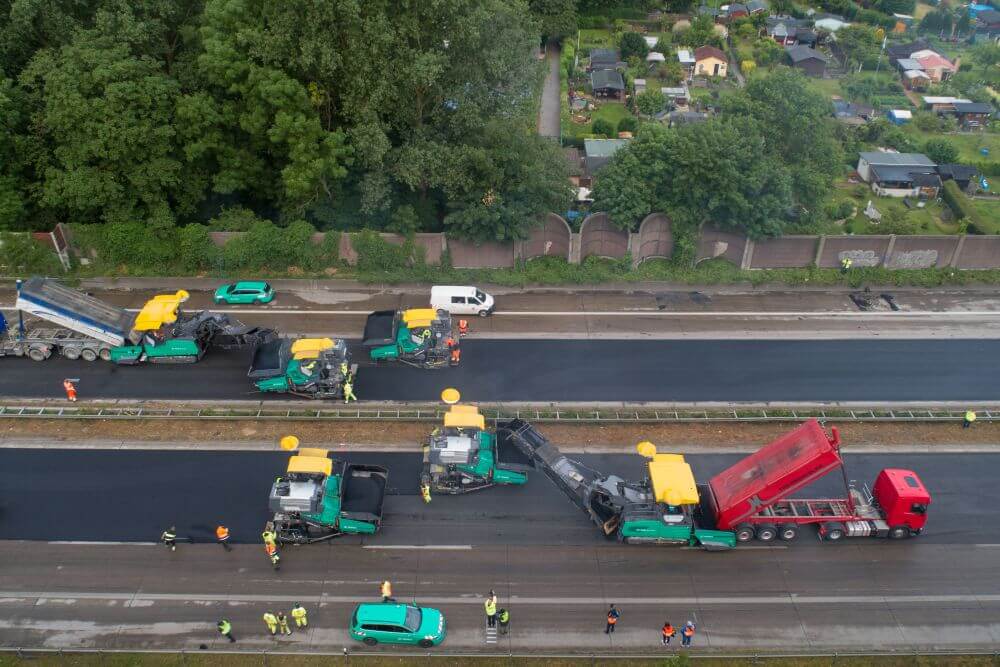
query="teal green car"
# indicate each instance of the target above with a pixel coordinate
(245, 292)
(397, 624)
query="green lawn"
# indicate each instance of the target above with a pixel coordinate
(595, 38)
(826, 87)
(612, 112)
(926, 220)
(989, 214)
(967, 143)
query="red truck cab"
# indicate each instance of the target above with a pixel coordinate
(902, 498)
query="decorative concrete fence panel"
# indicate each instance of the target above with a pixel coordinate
(785, 252)
(979, 252)
(346, 249)
(468, 255)
(922, 252)
(550, 239)
(655, 238)
(601, 238)
(863, 251)
(715, 242)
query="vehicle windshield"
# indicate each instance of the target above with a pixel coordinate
(231, 288)
(267, 287)
(413, 618)
(481, 296)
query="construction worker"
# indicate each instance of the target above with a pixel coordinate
(226, 629)
(169, 538)
(387, 591)
(613, 616)
(222, 535)
(456, 355)
(687, 634)
(463, 328)
(283, 624)
(70, 390)
(299, 614)
(504, 618)
(426, 334)
(970, 416)
(345, 370)
(349, 391)
(491, 610)
(667, 633)
(845, 265)
(272, 554)
(268, 535)
(272, 622)
(425, 492)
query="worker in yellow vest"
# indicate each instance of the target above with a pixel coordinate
(387, 591)
(299, 614)
(970, 416)
(271, 621)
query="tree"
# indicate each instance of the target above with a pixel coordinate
(986, 54)
(748, 66)
(767, 52)
(860, 45)
(628, 124)
(650, 102)
(602, 128)
(964, 23)
(937, 21)
(940, 151)
(633, 44)
(556, 18)
(701, 33)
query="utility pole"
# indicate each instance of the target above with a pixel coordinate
(880, 52)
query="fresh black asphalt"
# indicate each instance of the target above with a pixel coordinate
(128, 495)
(584, 371)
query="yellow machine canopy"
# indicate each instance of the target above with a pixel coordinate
(310, 348)
(464, 416)
(672, 479)
(419, 318)
(310, 465)
(161, 309)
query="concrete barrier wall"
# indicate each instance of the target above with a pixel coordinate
(655, 239)
(863, 251)
(550, 239)
(468, 255)
(715, 242)
(978, 252)
(923, 252)
(598, 236)
(783, 253)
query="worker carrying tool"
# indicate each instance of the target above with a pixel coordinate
(349, 392)
(271, 621)
(268, 536)
(283, 624)
(272, 554)
(226, 629)
(222, 535)
(300, 616)
(425, 492)
(463, 328)
(70, 387)
(169, 538)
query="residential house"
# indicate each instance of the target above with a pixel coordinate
(937, 67)
(654, 57)
(905, 50)
(850, 113)
(783, 29)
(710, 61)
(597, 153)
(966, 178)
(608, 83)
(941, 105)
(973, 115)
(807, 59)
(604, 59)
(899, 174)
(732, 12)
(686, 59)
(899, 116)
(829, 22)
(757, 7)
(676, 96)
(987, 26)
(915, 79)
(675, 118)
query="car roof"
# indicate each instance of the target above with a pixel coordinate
(394, 614)
(251, 284)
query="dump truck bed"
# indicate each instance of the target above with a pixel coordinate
(773, 473)
(49, 300)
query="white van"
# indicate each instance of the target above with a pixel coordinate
(462, 300)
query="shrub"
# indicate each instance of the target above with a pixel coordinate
(960, 205)
(927, 121)
(628, 124)
(137, 244)
(602, 128)
(940, 151)
(20, 253)
(633, 44)
(375, 254)
(196, 250)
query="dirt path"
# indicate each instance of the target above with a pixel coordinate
(548, 110)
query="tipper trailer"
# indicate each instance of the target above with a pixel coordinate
(418, 337)
(749, 499)
(318, 498)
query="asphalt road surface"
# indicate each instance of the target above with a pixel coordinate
(585, 371)
(131, 496)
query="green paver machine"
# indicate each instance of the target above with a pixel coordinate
(462, 456)
(310, 367)
(418, 337)
(318, 498)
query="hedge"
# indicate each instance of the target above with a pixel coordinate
(960, 204)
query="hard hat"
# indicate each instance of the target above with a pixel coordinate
(450, 396)
(646, 448)
(289, 443)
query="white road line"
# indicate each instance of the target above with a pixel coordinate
(472, 599)
(422, 547)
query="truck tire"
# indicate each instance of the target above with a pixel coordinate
(88, 354)
(832, 532)
(899, 533)
(370, 641)
(105, 354)
(71, 352)
(744, 532)
(788, 532)
(37, 354)
(766, 532)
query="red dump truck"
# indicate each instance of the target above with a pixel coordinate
(752, 498)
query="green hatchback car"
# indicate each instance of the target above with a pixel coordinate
(397, 624)
(245, 292)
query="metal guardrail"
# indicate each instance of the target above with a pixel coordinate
(535, 415)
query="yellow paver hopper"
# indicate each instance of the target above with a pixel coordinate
(160, 310)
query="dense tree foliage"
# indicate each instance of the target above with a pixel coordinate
(400, 114)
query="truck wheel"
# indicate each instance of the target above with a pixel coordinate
(425, 643)
(832, 532)
(71, 352)
(88, 354)
(766, 532)
(788, 532)
(744, 532)
(899, 533)
(370, 641)
(36, 354)
(105, 353)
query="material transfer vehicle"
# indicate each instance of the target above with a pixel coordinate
(389, 623)
(308, 367)
(751, 499)
(245, 292)
(462, 456)
(417, 337)
(462, 300)
(318, 498)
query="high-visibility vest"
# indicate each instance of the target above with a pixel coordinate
(268, 537)
(504, 616)
(688, 630)
(167, 535)
(970, 416)
(386, 589)
(225, 627)
(613, 616)
(222, 533)
(668, 631)
(270, 619)
(491, 607)
(298, 612)
(270, 549)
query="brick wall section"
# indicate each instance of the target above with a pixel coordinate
(980, 252)
(715, 242)
(783, 253)
(601, 238)
(923, 252)
(863, 251)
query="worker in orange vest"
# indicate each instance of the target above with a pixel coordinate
(613, 616)
(463, 328)
(667, 633)
(70, 390)
(222, 535)
(687, 634)
(456, 355)
(272, 553)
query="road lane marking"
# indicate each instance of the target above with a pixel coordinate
(475, 599)
(427, 547)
